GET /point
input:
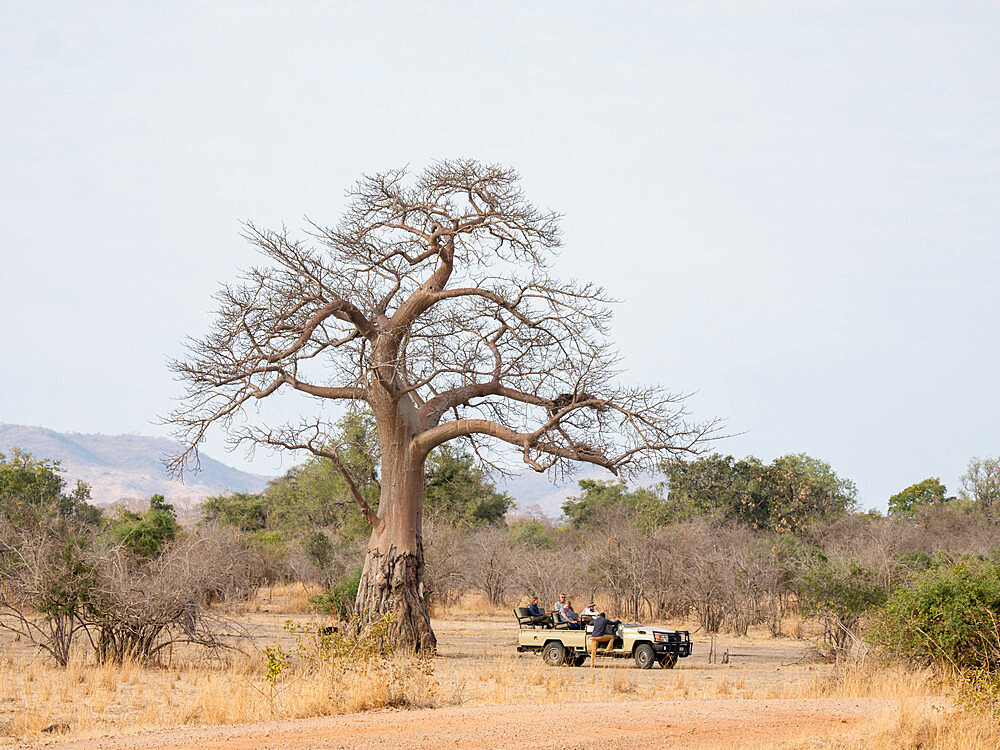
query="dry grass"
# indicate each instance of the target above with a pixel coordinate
(845, 682)
(471, 606)
(478, 666)
(914, 725)
(284, 598)
(94, 700)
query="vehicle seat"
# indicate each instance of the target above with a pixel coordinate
(524, 619)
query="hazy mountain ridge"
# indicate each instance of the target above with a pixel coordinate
(128, 469)
(123, 467)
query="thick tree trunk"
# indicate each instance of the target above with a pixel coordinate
(393, 573)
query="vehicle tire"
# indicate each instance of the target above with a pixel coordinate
(579, 659)
(554, 653)
(644, 656)
(667, 661)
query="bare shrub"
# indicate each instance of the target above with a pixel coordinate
(137, 608)
(45, 579)
(548, 573)
(489, 568)
(446, 550)
(58, 585)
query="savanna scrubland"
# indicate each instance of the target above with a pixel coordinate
(381, 573)
(815, 624)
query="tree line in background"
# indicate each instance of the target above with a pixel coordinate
(731, 543)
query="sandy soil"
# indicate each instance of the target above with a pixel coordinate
(636, 725)
(611, 706)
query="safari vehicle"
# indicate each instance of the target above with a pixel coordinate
(559, 645)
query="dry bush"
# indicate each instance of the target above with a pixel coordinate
(44, 579)
(548, 573)
(139, 608)
(446, 553)
(489, 568)
(59, 589)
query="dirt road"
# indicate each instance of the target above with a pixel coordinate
(635, 725)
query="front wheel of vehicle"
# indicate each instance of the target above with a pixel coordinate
(667, 661)
(644, 655)
(554, 654)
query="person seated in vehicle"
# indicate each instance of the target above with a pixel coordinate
(557, 608)
(588, 614)
(603, 632)
(538, 617)
(569, 616)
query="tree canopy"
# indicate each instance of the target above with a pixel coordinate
(455, 488)
(928, 492)
(30, 486)
(783, 495)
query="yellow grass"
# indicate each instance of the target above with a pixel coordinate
(478, 666)
(284, 598)
(96, 700)
(915, 726)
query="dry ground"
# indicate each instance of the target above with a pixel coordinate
(771, 693)
(635, 725)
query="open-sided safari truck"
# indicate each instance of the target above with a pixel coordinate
(559, 645)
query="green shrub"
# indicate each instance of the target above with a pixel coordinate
(145, 534)
(840, 593)
(339, 601)
(949, 614)
(318, 547)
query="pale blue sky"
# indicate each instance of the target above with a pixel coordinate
(796, 201)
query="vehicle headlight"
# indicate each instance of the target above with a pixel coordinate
(660, 637)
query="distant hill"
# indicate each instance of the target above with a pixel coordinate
(534, 491)
(126, 468)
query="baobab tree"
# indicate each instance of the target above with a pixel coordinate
(431, 305)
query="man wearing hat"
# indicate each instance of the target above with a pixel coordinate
(589, 613)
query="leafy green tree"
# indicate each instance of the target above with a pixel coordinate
(840, 593)
(717, 488)
(318, 547)
(315, 495)
(45, 538)
(598, 497)
(919, 495)
(532, 533)
(29, 486)
(240, 510)
(796, 489)
(273, 548)
(143, 535)
(455, 488)
(782, 496)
